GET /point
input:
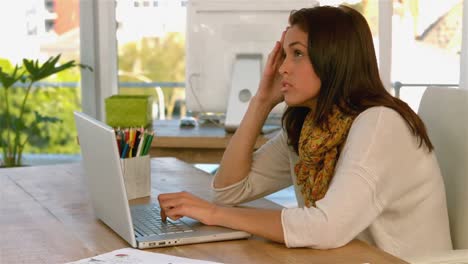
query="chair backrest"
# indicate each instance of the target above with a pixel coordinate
(445, 114)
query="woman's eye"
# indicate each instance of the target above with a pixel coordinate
(298, 53)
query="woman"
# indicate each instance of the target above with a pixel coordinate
(360, 160)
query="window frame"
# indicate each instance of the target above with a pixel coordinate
(98, 49)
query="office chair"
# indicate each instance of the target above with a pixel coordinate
(445, 114)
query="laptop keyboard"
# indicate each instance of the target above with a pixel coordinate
(147, 221)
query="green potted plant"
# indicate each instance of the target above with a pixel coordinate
(16, 130)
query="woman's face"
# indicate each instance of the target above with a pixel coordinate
(300, 85)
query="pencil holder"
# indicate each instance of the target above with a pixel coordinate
(137, 176)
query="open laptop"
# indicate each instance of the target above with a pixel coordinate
(139, 225)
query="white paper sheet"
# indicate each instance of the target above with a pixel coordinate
(135, 256)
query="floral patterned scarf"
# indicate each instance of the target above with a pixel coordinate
(319, 150)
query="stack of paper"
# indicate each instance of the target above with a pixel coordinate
(135, 256)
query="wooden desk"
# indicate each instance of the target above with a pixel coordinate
(45, 217)
(201, 144)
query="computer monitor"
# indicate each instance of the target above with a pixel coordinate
(227, 45)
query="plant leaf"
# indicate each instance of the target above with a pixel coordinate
(8, 80)
(46, 119)
(38, 72)
(29, 65)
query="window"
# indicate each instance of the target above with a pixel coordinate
(38, 30)
(426, 46)
(49, 25)
(151, 54)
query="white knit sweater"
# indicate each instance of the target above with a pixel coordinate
(386, 190)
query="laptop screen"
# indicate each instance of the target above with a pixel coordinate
(104, 175)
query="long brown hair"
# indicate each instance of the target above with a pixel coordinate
(342, 54)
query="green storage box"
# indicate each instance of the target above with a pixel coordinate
(128, 110)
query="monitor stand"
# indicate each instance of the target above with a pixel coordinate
(245, 78)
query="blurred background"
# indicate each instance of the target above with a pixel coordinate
(151, 55)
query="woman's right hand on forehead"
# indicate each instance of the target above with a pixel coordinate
(270, 84)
